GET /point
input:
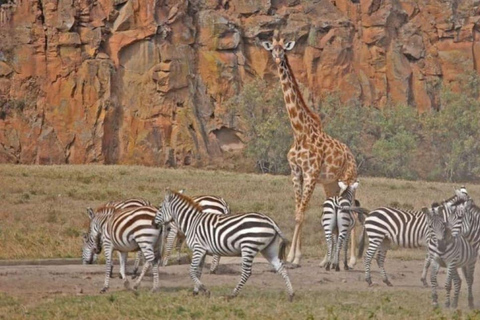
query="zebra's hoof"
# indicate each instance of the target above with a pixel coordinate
(388, 283)
(155, 290)
(103, 290)
(369, 282)
(327, 267)
(213, 271)
(229, 297)
(290, 297)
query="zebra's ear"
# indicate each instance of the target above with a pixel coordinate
(168, 192)
(427, 212)
(343, 186)
(182, 191)
(90, 213)
(355, 185)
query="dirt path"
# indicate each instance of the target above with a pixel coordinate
(33, 283)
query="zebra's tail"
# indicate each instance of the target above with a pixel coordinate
(284, 242)
(361, 245)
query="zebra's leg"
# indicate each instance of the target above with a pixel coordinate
(171, 237)
(457, 284)
(338, 248)
(196, 270)
(271, 254)
(138, 257)
(123, 262)
(214, 265)
(330, 245)
(108, 264)
(148, 252)
(367, 261)
(468, 272)
(425, 270)
(180, 241)
(345, 264)
(382, 254)
(247, 259)
(434, 283)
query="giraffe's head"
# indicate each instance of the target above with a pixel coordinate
(278, 47)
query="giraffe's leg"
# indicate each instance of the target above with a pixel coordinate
(434, 283)
(297, 180)
(309, 183)
(247, 260)
(271, 254)
(108, 264)
(353, 245)
(425, 269)
(198, 257)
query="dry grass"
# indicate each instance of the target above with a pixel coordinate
(43, 215)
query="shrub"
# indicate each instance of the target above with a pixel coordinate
(262, 110)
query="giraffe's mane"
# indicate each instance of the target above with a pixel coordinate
(309, 111)
(188, 200)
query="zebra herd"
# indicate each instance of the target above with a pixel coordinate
(204, 222)
(450, 231)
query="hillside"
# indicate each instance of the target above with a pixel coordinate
(145, 82)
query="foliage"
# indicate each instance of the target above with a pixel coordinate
(267, 125)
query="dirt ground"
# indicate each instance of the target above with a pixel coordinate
(32, 283)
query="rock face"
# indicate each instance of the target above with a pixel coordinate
(145, 82)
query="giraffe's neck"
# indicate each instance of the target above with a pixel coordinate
(302, 119)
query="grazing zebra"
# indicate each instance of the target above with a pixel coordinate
(124, 230)
(337, 221)
(404, 228)
(211, 204)
(450, 251)
(241, 234)
(124, 204)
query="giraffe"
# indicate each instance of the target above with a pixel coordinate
(314, 156)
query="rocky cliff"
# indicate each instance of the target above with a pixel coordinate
(145, 82)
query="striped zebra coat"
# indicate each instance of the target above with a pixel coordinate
(124, 230)
(123, 204)
(404, 228)
(242, 234)
(337, 224)
(209, 203)
(451, 251)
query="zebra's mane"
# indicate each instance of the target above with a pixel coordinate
(188, 200)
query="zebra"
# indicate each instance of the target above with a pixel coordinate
(123, 204)
(239, 234)
(337, 221)
(451, 251)
(405, 228)
(124, 230)
(209, 203)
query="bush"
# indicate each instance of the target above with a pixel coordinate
(394, 141)
(262, 110)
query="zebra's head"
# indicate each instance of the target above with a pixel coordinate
(91, 240)
(441, 234)
(461, 219)
(347, 191)
(278, 47)
(164, 214)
